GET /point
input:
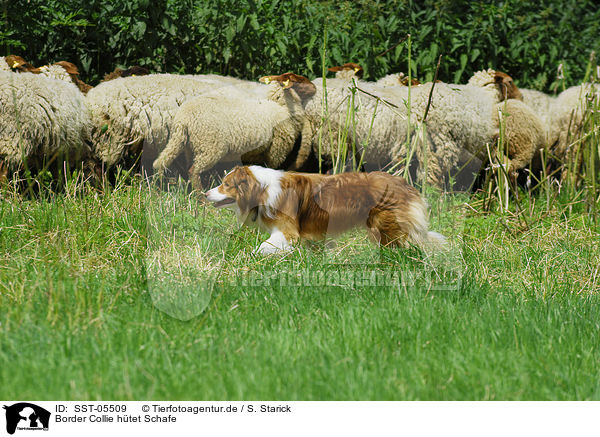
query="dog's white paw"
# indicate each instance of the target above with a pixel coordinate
(269, 248)
(277, 243)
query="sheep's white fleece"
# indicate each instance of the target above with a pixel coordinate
(40, 117)
(260, 126)
(55, 72)
(562, 115)
(385, 138)
(138, 111)
(4, 65)
(567, 113)
(541, 103)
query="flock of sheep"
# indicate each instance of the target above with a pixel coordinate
(281, 121)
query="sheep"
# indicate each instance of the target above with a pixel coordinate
(64, 70)
(134, 113)
(567, 116)
(524, 132)
(562, 116)
(541, 103)
(4, 64)
(14, 63)
(460, 121)
(260, 127)
(41, 118)
(497, 82)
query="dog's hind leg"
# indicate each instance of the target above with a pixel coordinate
(384, 228)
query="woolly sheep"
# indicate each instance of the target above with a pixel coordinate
(562, 116)
(63, 70)
(40, 117)
(524, 132)
(260, 127)
(541, 103)
(461, 118)
(14, 63)
(567, 116)
(4, 65)
(132, 113)
(496, 82)
(389, 126)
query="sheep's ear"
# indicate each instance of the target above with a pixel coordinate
(69, 67)
(267, 79)
(17, 62)
(335, 69)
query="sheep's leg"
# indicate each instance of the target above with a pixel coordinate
(3, 171)
(202, 162)
(174, 147)
(305, 146)
(281, 146)
(519, 156)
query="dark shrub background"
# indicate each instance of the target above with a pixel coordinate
(247, 38)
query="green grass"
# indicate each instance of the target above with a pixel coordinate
(514, 316)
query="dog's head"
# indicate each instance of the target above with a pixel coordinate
(240, 189)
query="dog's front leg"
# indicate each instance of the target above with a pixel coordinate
(277, 243)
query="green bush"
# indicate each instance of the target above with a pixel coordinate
(249, 38)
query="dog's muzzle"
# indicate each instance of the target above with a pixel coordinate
(218, 199)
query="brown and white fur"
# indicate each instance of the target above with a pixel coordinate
(304, 206)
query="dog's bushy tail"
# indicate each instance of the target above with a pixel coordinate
(436, 240)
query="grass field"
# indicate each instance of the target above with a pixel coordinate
(512, 313)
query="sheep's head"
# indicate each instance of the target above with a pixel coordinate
(113, 75)
(404, 80)
(18, 63)
(356, 69)
(300, 84)
(506, 86)
(69, 67)
(499, 81)
(73, 73)
(135, 70)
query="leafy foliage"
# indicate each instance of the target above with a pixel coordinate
(250, 38)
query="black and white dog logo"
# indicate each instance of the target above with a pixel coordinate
(26, 416)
